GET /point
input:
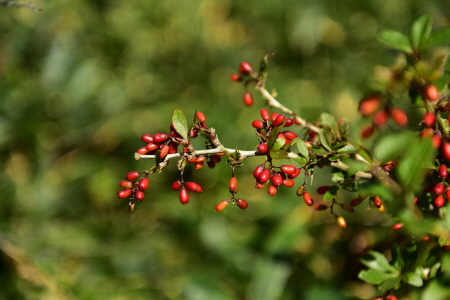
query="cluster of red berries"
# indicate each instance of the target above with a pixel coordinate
(134, 188)
(388, 296)
(370, 106)
(265, 126)
(233, 187)
(284, 176)
(246, 74)
(184, 187)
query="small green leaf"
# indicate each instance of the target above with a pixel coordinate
(329, 121)
(420, 30)
(179, 123)
(337, 176)
(377, 261)
(437, 37)
(325, 138)
(344, 127)
(411, 169)
(279, 143)
(349, 148)
(302, 149)
(397, 258)
(278, 154)
(443, 123)
(319, 150)
(375, 277)
(396, 40)
(412, 279)
(331, 193)
(390, 147)
(389, 284)
(300, 160)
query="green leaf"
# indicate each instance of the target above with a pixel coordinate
(337, 176)
(389, 284)
(280, 142)
(397, 258)
(390, 147)
(420, 30)
(331, 193)
(349, 148)
(437, 37)
(325, 138)
(329, 121)
(411, 169)
(443, 123)
(396, 40)
(302, 149)
(375, 277)
(377, 261)
(344, 127)
(365, 154)
(412, 279)
(278, 154)
(179, 123)
(299, 160)
(319, 150)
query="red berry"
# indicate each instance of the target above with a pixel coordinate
(356, 201)
(160, 137)
(288, 182)
(151, 146)
(164, 151)
(272, 190)
(447, 194)
(142, 151)
(143, 184)
(258, 171)
(429, 118)
(289, 122)
(133, 175)
(235, 77)
(184, 196)
(245, 68)
(241, 203)
(436, 142)
(323, 189)
(290, 135)
(200, 117)
(399, 116)
(125, 193)
(380, 118)
(439, 201)
(222, 204)
(369, 105)
(397, 226)
(367, 132)
(295, 174)
(426, 133)
(265, 114)
(377, 202)
(215, 158)
(431, 92)
(198, 165)
(173, 147)
(193, 187)
(446, 150)
(248, 99)
(233, 185)
(274, 116)
(126, 184)
(308, 199)
(277, 180)
(258, 124)
(320, 207)
(262, 148)
(139, 195)
(176, 185)
(264, 176)
(438, 188)
(147, 138)
(288, 169)
(278, 121)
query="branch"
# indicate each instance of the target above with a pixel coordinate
(274, 103)
(20, 4)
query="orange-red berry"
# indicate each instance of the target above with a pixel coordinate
(377, 201)
(248, 99)
(258, 124)
(380, 118)
(397, 226)
(428, 119)
(147, 138)
(193, 187)
(439, 201)
(265, 114)
(320, 207)
(288, 182)
(133, 175)
(399, 116)
(126, 184)
(233, 185)
(245, 68)
(278, 121)
(139, 195)
(295, 174)
(446, 150)
(184, 196)
(125, 193)
(308, 199)
(235, 77)
(222, 204)
(143, 184)
(176, 185)
(369, 105)
(431, 92)
(241, 203)
(273, 189)
(438, 188)
(200, 117)
(164, 151)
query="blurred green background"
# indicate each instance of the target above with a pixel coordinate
(81, 81)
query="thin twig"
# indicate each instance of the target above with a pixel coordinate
(274, 103)
(20, 4)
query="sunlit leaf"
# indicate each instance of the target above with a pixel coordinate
(420, 30)
(437, 37)
(278, 154)
(179, 123)
(396, 40)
